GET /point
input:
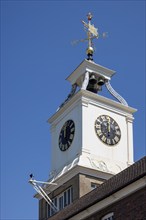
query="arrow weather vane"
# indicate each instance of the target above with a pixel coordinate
(92, 33)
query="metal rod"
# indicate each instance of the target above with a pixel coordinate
(35, 181)
(42, 193)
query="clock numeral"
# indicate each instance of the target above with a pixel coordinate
(118, 132)
(116, 138)
(98, 125)
(71, 125)
(72, 129)
(103, 138)
(108, 141)
(62, 147)
(71, 136)
(98, 121)
(66, 146)
(69, 143)
(113, 141)
(99, 132)
(103, 117)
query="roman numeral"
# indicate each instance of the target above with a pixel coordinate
(66, 146)
(98, 125)
(69, 143)
(62, 147)
(71, 136)
(113, 141)
(103, 117)
(72, 129)
(103, 138)
(109, 141)
(99, 132)
(116, 138)
(118, 132)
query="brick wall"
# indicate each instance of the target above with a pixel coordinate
(132, 207)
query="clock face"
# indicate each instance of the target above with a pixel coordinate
(66, 135)
(107, 130)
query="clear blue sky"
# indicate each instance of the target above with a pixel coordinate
(37, 56)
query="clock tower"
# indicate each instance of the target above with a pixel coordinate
(91, 135)
(91, 130)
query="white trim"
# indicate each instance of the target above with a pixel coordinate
(84, 96)
(91, 67)
(76, 169)
(111, 199)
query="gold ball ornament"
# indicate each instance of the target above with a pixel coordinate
(90, 50)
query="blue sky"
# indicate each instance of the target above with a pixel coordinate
(36, 57)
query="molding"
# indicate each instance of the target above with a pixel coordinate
(93, 99)
(85, 102)
(126, 191)
(62, 112)
(91, 67)
(129, 118)
(63, 177)
(107, 102)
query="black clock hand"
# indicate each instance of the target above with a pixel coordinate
(108, 125)
(64, 131)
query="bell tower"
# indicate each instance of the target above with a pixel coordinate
(91, 135)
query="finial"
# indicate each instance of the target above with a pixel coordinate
(89, 16)
(92, 33)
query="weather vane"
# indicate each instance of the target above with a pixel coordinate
(92, 33)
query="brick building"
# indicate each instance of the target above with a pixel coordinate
(121, 197)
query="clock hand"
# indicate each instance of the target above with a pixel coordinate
(109, 127)
(64, 131)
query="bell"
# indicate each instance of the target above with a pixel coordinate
(92, 86)
(92, 80)
(101, 81)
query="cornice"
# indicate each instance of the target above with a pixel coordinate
(86, 97)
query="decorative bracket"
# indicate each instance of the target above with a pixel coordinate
(84, 87)
(115, 94)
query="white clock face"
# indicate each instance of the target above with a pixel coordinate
(107, 130)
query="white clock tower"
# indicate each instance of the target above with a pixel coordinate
(92, 136)
(102, 135)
